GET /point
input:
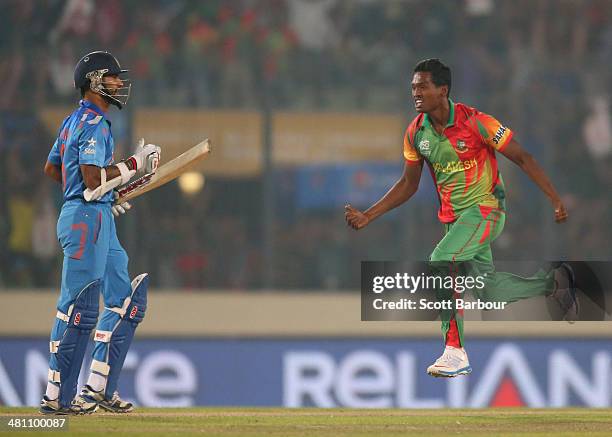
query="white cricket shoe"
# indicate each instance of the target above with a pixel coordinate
(453, 362)
(114, 405)
(77, 407)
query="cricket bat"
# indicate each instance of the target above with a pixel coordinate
(165, 173)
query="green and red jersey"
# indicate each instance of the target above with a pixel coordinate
(462, 159)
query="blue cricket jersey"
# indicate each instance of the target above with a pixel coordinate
(84, 138)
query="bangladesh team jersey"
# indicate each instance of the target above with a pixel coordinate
(461, 160)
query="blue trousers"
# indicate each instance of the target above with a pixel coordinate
(87, 234)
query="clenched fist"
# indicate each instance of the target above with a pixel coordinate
(560, 212)
(355, 218)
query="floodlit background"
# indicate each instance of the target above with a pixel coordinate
(306, 103)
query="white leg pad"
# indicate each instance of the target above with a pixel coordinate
(100, 367)
(65, 317)
(54, 346)
(53, 376)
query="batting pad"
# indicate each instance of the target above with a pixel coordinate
(115, 333)
(69, 341)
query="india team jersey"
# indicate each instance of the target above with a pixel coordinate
(84, 138)
(462, 160)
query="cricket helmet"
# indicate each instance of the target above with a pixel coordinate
(90, 70)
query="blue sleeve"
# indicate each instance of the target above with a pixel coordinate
(54, 155)
(92, 145)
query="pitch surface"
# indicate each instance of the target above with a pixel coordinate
(269, 422)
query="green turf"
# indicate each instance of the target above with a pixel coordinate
(262, 422)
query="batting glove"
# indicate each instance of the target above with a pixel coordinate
(146, 157)
(120, 208)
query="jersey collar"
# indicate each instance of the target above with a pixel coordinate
(451, 116)
(87, 104)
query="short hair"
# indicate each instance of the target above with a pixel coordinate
(440, 73)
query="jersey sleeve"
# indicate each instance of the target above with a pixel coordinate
(411, 154)
(92, 145)
(54, 155)
(492, 132)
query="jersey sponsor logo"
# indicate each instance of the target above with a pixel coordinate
(424, 147)
(499, 134)
(461, 146)
(91, 142)
(133, 312)
(89, 151)
(77, 319)
(454, 166)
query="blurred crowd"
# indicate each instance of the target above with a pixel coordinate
(541, 66)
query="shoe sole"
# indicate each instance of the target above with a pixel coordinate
(114, 410)
(89, 411)
(443, 374)
(66, 413)
(53, 413)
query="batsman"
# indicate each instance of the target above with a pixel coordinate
(81, 159)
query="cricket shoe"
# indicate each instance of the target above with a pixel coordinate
(565, 292)
(76, 408)
(453, 362)
(114, 404)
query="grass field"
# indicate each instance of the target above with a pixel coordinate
(250, 422)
